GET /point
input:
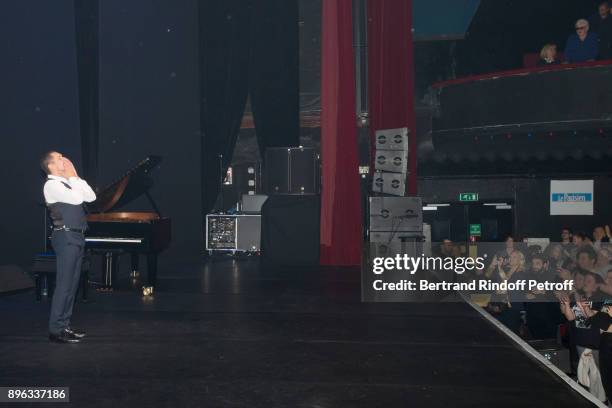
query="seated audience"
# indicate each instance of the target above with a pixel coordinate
(585, 262)
(601, 24)
(583, 45)
(548, 55)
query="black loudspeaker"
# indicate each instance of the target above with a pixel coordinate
(290, 230)
(291, 170)
(396, 214)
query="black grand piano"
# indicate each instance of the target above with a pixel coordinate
(111, 233)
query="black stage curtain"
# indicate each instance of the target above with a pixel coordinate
(86, 16)
(224, 63)
(246, 46)
(39, 113)
(274, 84)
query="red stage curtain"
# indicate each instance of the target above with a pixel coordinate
(391, 72)
(341, 233)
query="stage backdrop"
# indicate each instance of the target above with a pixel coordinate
(341, 233)
(39, 112)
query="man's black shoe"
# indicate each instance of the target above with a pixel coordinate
(63, 337)
(75, 333)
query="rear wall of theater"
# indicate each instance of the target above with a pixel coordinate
(530, 199)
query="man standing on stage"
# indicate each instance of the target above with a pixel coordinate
(64, 194)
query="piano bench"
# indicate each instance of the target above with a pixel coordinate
(43, 271)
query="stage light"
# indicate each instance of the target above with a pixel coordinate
(147, 290)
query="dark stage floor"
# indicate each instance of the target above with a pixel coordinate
(231, 335)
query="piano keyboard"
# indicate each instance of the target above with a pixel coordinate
(119, 240)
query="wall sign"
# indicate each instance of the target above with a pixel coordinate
(468, 196)
(475, 230)
(571, 197)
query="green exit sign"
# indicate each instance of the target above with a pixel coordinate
(475, 230)
(468, 196)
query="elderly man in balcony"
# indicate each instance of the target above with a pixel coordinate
(582, 46)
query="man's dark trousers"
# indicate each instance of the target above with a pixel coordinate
(69, 247)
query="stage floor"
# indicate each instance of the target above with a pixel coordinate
(229, 334)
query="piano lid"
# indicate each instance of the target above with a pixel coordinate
(128, 187)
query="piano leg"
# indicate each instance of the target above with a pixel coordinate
(108, 269)
(37, 279)
(151, 269)
(134, 261)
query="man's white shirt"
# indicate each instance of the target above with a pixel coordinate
(56, 192)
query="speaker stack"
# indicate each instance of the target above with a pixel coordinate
(396, 224)
(391, 161)
(291, 214)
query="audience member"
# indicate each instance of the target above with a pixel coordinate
(603, 321)
(502, 257)
(555, 256)
(586, 258)
(599, 236)
(606, 288)
(506, 306)
(567, 241)
(603, 264)
(542, 312)
(548, 55)
(601, 24)
(583, 338)
(565, 271)
(583, 45)
(578, 240)
(445, 249)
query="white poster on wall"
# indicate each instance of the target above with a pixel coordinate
(571, 197)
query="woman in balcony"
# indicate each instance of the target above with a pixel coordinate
(548, 55)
